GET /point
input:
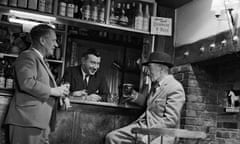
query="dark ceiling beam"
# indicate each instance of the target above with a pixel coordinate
(172, 3)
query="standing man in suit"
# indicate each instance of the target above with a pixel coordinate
(86, 80)
(30, 114)
(163, 103)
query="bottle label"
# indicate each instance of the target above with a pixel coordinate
(139, 23)
(41, 6)
(87, 13)
(2, 82)
(70, 10)
(145, 24)
(94, 13)
(13, 3)
(9, 83)
(62, 9)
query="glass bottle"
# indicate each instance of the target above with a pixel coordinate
(4, 2)
(128, 14)
(118, 12)
(112, 17)
(62, 8)
(9, 76)
(101, 12)
(70, 8)
(86, 11)
(123, 18)
(2, 73)
(139, 18)
(12, 3)
(94, 11)
(41, 5)
(48, 6)
(146, 18)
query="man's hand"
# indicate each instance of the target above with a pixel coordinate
(130, 98)
(79, 93)
(60, 91)
(93, 97)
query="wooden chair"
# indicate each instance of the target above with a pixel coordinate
(173, 132)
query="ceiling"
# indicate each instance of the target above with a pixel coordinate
(172, 3)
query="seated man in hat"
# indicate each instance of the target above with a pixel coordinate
(163, 103)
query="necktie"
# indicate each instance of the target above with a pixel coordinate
(154, 86)
(85, 81)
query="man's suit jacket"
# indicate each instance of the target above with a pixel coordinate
(164, 106)
(31, 104)
(97, 83)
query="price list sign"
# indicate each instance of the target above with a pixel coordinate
(161, 26)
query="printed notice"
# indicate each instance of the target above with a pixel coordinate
(161, 26)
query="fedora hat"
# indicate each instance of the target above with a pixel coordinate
(159, 57)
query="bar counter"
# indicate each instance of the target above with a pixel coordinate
(84, 123)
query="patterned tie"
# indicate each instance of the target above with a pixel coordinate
(85, 81)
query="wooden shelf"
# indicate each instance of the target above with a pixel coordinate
(75, 22)
(127, 1)
(78, 22)
(15, 56)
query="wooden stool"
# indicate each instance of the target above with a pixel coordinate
(173, 132)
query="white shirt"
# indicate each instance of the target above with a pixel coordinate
(84, 75)
(38, 52)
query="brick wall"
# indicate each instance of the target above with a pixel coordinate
(205, 87)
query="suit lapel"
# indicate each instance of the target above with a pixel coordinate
(46, 68)
(159, 91)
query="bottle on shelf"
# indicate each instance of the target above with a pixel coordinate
(2, 73)
(22, 3)
(128, 14)
(12, 3)
(139, 18)
(62, 8)
(101, 11)
(132, 13)
(123, 18)
(94, 11)
(9, 76)
(118, 12)
(58, 53)
(112, 18)
(49, 6)
(78, 9)
(86, 11)
(146, 18)
(32, 4)
(41, 5)
(70, 9)
(4, 2)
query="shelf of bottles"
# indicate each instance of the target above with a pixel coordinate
(45, 6)
(125, 15)
(133, 16)
(6, 74)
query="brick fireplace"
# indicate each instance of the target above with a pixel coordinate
(205, 84)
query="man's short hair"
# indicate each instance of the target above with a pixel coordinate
(40, 30)
(91, 51)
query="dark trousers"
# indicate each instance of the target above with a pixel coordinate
(27, 135)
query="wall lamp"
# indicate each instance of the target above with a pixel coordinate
(29, 20)
(36, 17)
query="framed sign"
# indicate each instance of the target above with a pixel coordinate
(161, 26)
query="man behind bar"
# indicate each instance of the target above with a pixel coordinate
(30, 114)
(163, 104)
(86, 81)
